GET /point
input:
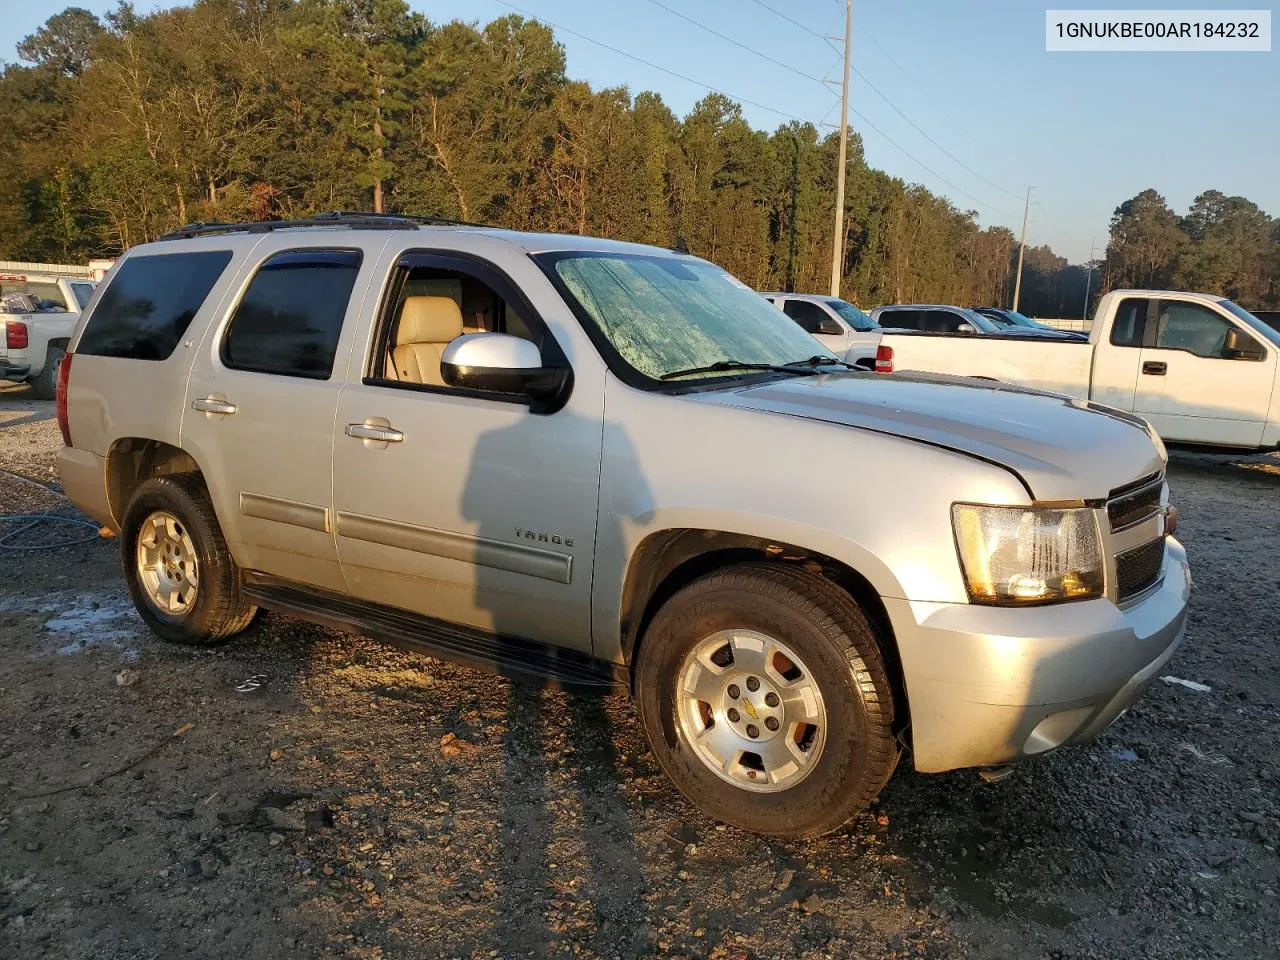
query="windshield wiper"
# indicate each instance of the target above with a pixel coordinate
(819, 360)
(727, 365)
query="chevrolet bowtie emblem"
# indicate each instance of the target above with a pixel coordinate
(750, 708)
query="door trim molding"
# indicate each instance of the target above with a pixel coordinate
(497, 554)
(292, 512)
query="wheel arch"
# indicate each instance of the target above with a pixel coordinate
(668, 560)
(134, 460)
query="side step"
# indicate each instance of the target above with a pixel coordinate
(509, 656)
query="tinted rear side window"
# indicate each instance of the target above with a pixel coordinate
(291, 316)
(1131, 322)
(900, 319)
(149, 304)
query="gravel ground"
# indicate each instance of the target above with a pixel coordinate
(366, 803)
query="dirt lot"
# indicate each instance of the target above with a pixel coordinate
(365, 803)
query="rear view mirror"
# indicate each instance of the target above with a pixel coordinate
(1240, 346)
(502, 363)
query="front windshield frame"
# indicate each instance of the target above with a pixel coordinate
(860, 321)
(1264, 330)
(807, 345)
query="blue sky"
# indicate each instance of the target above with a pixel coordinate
(1088, 130)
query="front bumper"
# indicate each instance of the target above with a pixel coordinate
(14, 371)
(990, 685)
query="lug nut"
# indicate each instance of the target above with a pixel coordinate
(771, 723)
(734, 716)
(771, 699)
(752, 730)
(734, 692)
(753, 684)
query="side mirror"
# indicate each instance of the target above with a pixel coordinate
(501, 363)
(829, 327)
(965, 328)
(1239, 346)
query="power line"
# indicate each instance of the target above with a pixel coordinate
(922, 133)
(739, 45)
(761, 106)
(881, 95)
(654, 66)
(790, 20)
(923, 92)
(807, 76)
(930, 170)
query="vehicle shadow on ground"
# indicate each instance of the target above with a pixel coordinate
(19, 407)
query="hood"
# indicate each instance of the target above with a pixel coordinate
(1062, 449)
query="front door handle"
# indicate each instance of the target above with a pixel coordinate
(373, 431)
(213, 405)
(1155, 368)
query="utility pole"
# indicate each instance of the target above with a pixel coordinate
(837, 241)
(1022, 246)
(791, 248)
(1088, 279)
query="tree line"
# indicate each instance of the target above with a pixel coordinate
(120, 129)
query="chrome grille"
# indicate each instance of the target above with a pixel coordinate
(1138, 569)
(1135, 506)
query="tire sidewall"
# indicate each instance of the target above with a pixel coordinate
(45, 384)
(814, 805)
(160, 494)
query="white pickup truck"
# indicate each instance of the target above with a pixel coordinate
(38, 314)
(1200, 369)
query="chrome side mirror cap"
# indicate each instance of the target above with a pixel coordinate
(502, 363)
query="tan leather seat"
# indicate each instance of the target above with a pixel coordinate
(427, 326)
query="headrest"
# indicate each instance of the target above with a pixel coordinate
(429, 320)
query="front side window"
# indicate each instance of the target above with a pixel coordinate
(290, 317)
(149, 304)
(432, 307)
(945, 321)
(1269, 328)
(1193, 328)
(810, 317)
(661, 315)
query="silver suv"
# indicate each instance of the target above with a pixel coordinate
(616, 467)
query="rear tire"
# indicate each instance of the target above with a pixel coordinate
(45, 384)
(182, 578)
(832, 673)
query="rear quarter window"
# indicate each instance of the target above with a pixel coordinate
(149, 303)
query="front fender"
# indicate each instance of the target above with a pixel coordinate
(880, 505)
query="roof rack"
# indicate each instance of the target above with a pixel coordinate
(335, 218)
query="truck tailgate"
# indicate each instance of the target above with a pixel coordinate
(1060, 366)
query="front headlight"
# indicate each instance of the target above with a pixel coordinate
(1017, 555)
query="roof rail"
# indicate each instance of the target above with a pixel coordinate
(335, 218)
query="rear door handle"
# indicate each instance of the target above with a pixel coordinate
(372, 431)
(1155, 368)
(213, 405)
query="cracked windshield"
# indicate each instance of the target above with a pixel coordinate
(664, 315)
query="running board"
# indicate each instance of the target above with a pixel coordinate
(509, 656)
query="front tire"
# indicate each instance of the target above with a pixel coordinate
(765, 699)
(183, 580)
